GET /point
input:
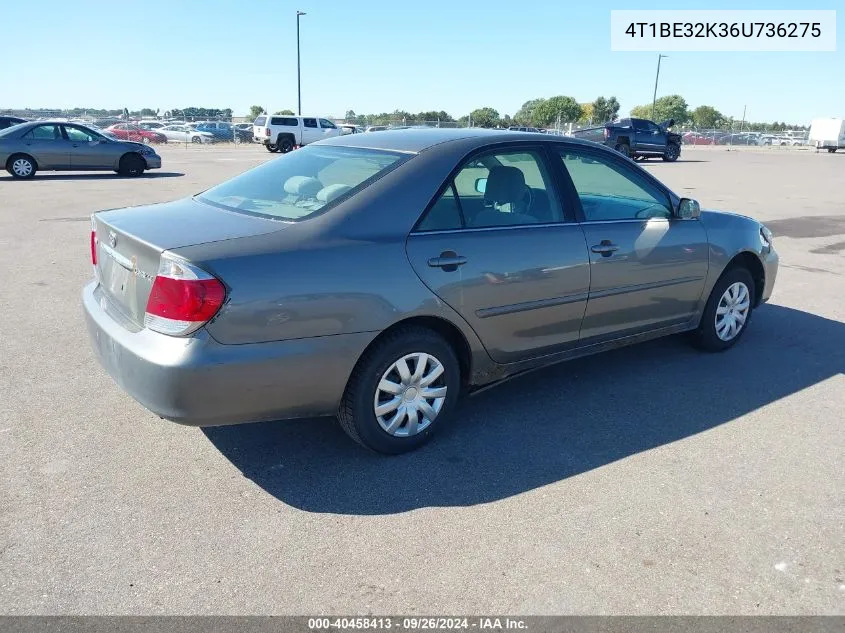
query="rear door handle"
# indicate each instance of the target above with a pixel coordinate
(606, 248)
(448, 261)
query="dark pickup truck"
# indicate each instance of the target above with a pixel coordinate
(637, 138)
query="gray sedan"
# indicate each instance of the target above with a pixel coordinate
(377, 277)
(59, 146)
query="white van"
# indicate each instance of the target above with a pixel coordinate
(281, 133)
(828, 134)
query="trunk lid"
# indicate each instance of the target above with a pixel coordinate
(130, 243)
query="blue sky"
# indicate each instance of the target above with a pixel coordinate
(375, 56)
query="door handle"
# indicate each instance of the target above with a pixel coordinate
(606, 248)
(448, 261)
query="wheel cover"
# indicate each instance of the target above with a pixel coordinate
(410, 394)
(22, 167)
(732, 311)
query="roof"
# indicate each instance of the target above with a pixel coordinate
(418, 139)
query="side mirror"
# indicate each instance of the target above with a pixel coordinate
(481, 185)
(688, 209)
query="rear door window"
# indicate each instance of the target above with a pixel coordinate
(309, 122)
(44, 133)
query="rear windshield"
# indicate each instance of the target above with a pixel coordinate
(260, 121)
(298, 185)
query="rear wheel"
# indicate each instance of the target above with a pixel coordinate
(271, 148)
(727, 312)
(21, 166)
(146, 140)
(285, 144)
(624, 149)
(831, 149)
(196, 139)
(131, 165)
(401, 391)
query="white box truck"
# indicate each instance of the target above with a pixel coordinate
(828, 134)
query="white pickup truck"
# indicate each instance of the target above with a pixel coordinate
(281, 133)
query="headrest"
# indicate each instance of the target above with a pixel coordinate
(505, 184)
(303, 186)
(327, 194)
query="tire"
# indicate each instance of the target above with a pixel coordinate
(706, 336)
(131, 165)
(357, 412)
(624, 149)
(271, 148)
(831, 150)
(673, 152)
(145, 140)
(21, 166)
(285, 144)
(196, 139)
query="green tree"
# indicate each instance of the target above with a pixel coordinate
(547, 112)
(525, 114)
(605, 110)
(668, 107)
(587, 113)
(288, 112)
(705, 116)
(255, 111)
(484, 117)
(350, 115)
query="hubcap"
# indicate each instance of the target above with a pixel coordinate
(22, 167)
(410, 394)
(732, 311)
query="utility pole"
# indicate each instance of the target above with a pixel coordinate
(656, 77)
(743, 120)
(298, 76)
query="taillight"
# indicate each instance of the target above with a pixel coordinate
(266, 131)
(183, 298)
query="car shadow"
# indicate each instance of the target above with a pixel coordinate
(545, 427)
(98, 176)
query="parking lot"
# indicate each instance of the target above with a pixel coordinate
(649, 480)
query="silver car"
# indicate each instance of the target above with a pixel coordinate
(377, 277)
(59, 146)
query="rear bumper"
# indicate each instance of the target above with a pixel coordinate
(200, 382)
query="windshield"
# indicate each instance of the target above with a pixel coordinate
(298, 185)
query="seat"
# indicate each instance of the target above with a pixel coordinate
(507, 198)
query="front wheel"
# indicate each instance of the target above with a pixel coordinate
(727, 312)
(196, 139)
(401, 391)
(673, 151)
(831, 150)
(131, 165)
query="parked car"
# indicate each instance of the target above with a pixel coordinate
(151, 125)
(9, 121)
(376, 128)
(827, 134)
(521, 128)
(637, 138)
(184, 134)
(281, 133)
(349, 128)
(58, 146)
(132, 132)
(224, 131)
(396, 296)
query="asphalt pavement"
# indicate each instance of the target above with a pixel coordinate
(649, 480)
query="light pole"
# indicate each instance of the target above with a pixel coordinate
(298, 80)
(656, 77)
